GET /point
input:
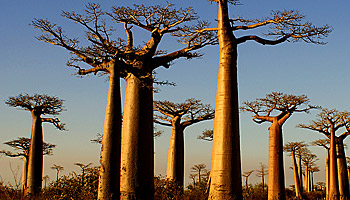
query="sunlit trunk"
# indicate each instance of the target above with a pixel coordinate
(327, 175)
(296, 177)
(175, 166)
(24, 172)
(333, 169)
(307, 178)
(137, 145)
(109, 174)
(342, 170)
(276, 188)
(35, 164)
(226, 181)
(300, 173)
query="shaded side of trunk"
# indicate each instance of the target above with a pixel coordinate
(137, 145)
(333, 169)
(276, 188)
(35, 164)
(342, 170)
(24, 172)
(109, 174)
(300, 173)
(296, 177)
(226, 180)
(327, 175)
(175, 166)
(311, 181)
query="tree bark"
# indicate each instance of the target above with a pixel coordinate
(137, 145)
(226, 181)
(307, 178)
(327, 175)
(296, 178)
(109, 175)
(342, 170)
(24, 172)
(300, 171)
(276, 188)
(175, 166)
(333, 169)
(35, 164)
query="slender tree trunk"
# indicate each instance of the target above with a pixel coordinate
(311, 181)
(263, 183)
(327, 175)
(35, 165)
(333, 169)
(342, 170)
(296, 177)
(307, 178)
(24, 172)
(276, 188)
(300, 172)
(109, 174)
(226, 180)
(175, 166)
(137, 146)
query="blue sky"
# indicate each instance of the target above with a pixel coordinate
(30, 66)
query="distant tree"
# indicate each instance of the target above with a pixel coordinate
(292, 148)
(313, 169)
(179, 116)
(58, 169)
(283, 105)
(246, 176)
(199, 170)
(262, 172)
(206, 135)
(38, 105)
(285, 26)
(46, 179)
(325, 144)
(136, 64)
(21, 147)
(83, 168)
(309, 160)
(328, 122)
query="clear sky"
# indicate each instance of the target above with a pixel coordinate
(30, 66)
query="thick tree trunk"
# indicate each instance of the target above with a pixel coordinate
(24, 172)
(276, 188)
(327, 175)
(307, 178)
(342, 171)
(333, 169)
(296, 177)
(226, 181)
(175, 166)
(35, 164)
(109, 177)
(137, 159)
(300, 173)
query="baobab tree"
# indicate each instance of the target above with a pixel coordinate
(262, 172)
(122, 58)
(58, 169)
(83, 168)
(328, 122)
(325, 144)
(179, 116)
(38, 105)
(308, 159)
(246, 176)
(206, 135)
(313, 169)
(292, 148)
(286, 26)
(199, 170)
(21, 147)
(283, 105)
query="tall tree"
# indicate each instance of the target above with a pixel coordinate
(199, 170)
(313, 169)
(283, 105)
(246, 176)
(122, 58)
(58, 169)
(179, 116)
(262, 172)
(309, 159)
(21, 147)
(292, 148)
(38, 105)
(325, 144)
(286, 26)
(83, 168)
(328, 122)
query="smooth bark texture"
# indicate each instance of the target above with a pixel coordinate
(276, 188)
(24, 172)
(175, 165)
(137, 161)
(35, 164)
(226, 182)
(300, 171)
(307, 178)
(333, 193)
(327, 175)
(342, 170)
(109, 174)
(296, 177)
